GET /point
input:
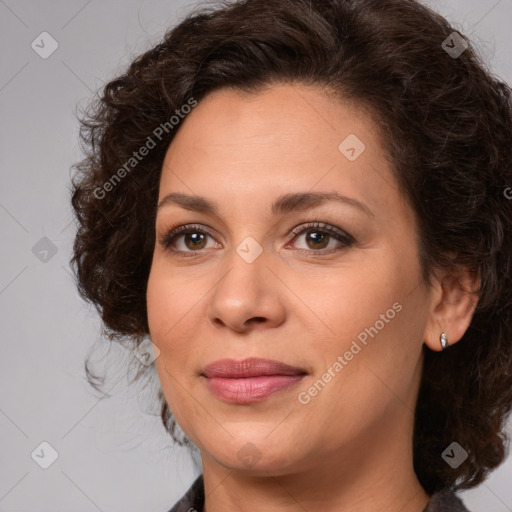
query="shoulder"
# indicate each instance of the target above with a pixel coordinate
(193, 499)
(445, 501)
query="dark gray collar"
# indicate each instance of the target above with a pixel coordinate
(441, 501)
(445, 501)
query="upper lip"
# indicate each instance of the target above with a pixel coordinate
(252, 367)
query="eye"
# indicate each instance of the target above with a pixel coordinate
(319, 234)
(193, 237)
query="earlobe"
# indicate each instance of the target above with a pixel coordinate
(453, 303)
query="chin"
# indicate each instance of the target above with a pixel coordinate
(253, 455)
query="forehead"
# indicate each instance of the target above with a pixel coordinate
(285, 138)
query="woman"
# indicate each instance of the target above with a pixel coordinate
(303, 204)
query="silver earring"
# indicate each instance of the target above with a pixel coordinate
(444, 340)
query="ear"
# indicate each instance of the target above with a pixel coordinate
(453, 300)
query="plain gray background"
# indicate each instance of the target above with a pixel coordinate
(113, 453)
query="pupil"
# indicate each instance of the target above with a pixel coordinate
(317, 237)
(196, 238)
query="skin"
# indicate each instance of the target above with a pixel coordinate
(350, 447)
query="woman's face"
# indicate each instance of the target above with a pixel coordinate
(340, 301)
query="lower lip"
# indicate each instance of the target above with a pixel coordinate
(250, 389)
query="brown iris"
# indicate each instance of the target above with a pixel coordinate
(317, 236)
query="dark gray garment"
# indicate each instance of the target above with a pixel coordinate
(193, 500)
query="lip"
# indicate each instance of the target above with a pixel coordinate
(251, 367)
(249, 380)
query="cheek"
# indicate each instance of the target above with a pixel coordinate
(164, 310)
(355, 301)
(374, 319)
(156, 303)
(165, 299)
(173, 306)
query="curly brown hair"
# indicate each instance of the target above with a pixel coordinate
(447, 122)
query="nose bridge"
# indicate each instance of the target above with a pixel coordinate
(246, 264)
(247, 255)
(246, 289)
(249, 250)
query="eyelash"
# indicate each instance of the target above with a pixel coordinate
(173, 232)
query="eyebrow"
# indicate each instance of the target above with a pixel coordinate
(286, 203)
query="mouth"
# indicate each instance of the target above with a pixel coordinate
(250, 380)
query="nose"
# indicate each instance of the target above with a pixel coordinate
(247, 296)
